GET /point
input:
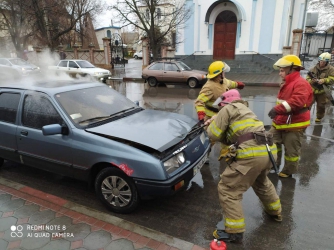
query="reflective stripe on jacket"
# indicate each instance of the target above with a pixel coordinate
(326, 73)
(209, 93)
(293, 98)
(234, 120)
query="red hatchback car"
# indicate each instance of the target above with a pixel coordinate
(175, 72)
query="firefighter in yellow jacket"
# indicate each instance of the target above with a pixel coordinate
(321, 74)
(213, 89)
(244, 142)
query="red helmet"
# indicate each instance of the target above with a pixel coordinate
(229, 96)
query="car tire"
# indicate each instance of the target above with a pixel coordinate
(122, 201)
(192, 82)
(152, 82)
(136, 57)
(1, 162)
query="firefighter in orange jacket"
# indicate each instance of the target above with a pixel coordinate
(214, 88)
(291, 115)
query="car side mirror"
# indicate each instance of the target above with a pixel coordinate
(178, 70)
(55, 129)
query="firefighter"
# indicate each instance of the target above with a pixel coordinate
(321, 74)
(213, 89)
(243, 141)
(291, 115)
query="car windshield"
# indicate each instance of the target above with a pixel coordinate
(184, 66)
(90, 105)
(18, 61)
(85, 64)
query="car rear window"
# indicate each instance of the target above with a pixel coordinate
(156, 66)
(8, 106)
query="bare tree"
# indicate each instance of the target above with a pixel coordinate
(47, 22)
(159, 20)
(14, 21)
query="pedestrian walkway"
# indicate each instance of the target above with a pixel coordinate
(133, 71)
(32, 219)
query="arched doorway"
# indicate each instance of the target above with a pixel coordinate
(225, 35)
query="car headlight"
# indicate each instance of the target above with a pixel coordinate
(175, 162)
(23, 69)
(203, 137)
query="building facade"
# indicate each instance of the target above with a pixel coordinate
(105, 32)
(238, 29)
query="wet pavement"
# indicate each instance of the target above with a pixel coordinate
(189, 217)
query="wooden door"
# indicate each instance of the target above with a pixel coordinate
(225, 31)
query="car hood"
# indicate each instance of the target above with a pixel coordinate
(155, 129)
(199, 71)
(27, 67)
(92, 70)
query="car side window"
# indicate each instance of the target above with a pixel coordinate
(9, 103)
(4, 62)
(157, 66)
(72, 64)
(38, 111)
(63, 64)
(171, 67)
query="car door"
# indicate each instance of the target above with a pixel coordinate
(9, 103)
(172, 73)
(62, 66)
(73, 68)
(52, 152)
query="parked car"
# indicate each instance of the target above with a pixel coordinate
(173, 72)
(89, 131)
(140, 55)
(9, 73)
(21, 66)
(81, 68)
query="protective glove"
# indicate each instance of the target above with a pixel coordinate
(241, 85)
(272, 113)
(201, 115)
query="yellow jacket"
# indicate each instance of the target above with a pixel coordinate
(209, 93)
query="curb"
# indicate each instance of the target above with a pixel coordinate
(97, 219)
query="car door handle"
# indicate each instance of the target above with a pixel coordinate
(25, 133)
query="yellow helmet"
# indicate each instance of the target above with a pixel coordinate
(288, 60)
(216, 68)
(325, 57)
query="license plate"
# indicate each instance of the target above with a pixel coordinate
(200, 164)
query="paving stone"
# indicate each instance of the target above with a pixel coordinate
(36, 242)
(26, 211)
(11, 205)
(57, 245)
(80, 231)
(63, 222)
(6, 223)
(120, 244)
(3, 244)
(97, 239)
(42, 217)
(8, 236)
(4, 198)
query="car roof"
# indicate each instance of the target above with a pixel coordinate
(51, 87)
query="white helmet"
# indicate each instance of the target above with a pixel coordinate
(325, 57)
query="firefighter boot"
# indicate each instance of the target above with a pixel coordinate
(227, 237)
(277, 217)
(317, 120)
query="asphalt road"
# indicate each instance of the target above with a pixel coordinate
(192, 215)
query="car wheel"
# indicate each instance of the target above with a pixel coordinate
(152, 81)
(192, 83)
(1, 162)
(136, 57)
(116, 190)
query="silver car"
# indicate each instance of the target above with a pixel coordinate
(21, 66)
(88, 131)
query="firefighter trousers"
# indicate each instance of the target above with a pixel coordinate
(237, 178)
(292, 141)
(321, 101)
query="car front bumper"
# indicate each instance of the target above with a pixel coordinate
(149, 188)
